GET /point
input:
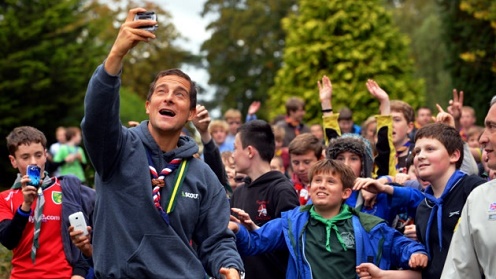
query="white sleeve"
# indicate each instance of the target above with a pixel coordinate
(462, 261)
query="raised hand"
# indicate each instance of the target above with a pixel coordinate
(456, 104)
(444, 117)
(381, 95)
(129, 36)
(254, 107)
(325, 89)
(201, 122)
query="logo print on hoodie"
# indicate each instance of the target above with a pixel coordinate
(189, 195)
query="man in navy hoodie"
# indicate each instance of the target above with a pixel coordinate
(145, 220)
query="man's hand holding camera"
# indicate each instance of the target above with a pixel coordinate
(130, 34)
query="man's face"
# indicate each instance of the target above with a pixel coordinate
(326, 191)
(401, 128)
(301, 165)
(33, 154)
(424, 117)
(488, 138)
(169, 105)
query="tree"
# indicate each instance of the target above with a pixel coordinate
(49, 53)
(47, 57)
(146, 60)
(244, 51)
(350, 41)
(420, 20)
(472, 52)
(480, 9)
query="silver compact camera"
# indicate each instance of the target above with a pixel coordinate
(147, 16)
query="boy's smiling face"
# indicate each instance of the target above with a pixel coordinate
(326, 191)
(432, 160)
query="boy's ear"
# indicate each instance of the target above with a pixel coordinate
(13, 161)
(252, 151)
(455, 157)
(411, 125)
(346, 193)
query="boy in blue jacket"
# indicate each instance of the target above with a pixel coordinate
(328, 237)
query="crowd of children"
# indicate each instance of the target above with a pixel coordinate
(398, 197)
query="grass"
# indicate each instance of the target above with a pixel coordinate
(5, 258)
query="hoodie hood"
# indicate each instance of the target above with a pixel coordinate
(269, 178)
(354, 144)
(186, 146)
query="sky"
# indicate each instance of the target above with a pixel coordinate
(188, 21)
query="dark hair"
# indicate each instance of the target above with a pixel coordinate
(345, 114)
(357, 145)
(334, 167)
(294, 104)
(258, 134)
(303, 143)
(404, 108)
(24, 135)
(445, 134)
(179, 73)
(71, 132)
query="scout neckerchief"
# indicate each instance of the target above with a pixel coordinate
(38, 211)
(158, 181)
(438, 207)
(330, 224)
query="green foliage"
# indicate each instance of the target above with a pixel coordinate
(484, 10)
(145, 60)
(132, 107)
(244, 51)
(5, 259)
(480, 9)
(349, 41)
(420, 20)
(46, 59)
(471, 45)
(49, 53)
